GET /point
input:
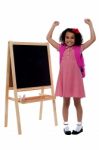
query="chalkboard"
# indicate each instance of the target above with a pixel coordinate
(32, 67)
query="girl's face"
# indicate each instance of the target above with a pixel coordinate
(69, 39)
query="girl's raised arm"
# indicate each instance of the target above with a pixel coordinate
(92, 34)
(49, 35)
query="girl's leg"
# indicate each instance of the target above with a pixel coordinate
(79, 128)
(77, 103)
(65, 111)
(66, 103)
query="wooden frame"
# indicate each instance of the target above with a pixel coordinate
(12, 85)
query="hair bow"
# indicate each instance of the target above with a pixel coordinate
(75, 30)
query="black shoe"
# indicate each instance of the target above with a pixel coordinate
(67, 132)
(77, 132)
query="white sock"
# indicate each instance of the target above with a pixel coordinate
(66, 126)
(78, 126)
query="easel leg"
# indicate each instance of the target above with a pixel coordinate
(6, 109)
(54, 107)
(41, 105)
(7, 90)
(17, 113)
(54, 111)
(41, 109)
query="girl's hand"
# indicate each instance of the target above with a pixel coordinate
(88, 21)
(55, 23)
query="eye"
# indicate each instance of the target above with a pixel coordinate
(72, 37)
(67, 37)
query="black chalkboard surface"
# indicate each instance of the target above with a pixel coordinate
(31, 65)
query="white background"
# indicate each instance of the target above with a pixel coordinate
(30, 20)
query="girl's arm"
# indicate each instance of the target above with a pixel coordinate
(92, 34)
(49, 35)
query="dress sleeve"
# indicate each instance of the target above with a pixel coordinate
(59, 45)
(82, 49)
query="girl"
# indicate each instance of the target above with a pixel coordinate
(70, 79)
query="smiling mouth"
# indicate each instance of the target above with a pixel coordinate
(69, 43)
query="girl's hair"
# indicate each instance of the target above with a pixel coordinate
(78, 36)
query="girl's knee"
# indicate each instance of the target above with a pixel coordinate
(66, 102)
(77, 102)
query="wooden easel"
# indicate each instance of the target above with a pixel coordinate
(12, 85)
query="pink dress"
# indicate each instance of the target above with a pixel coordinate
(70, 81)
